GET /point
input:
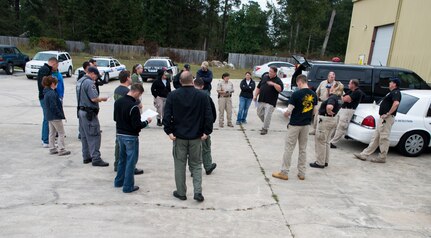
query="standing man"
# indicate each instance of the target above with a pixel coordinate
(207, 159)
(45, 70)
(267, 90)
(188, 121)
(351, 101)
(176, 80)
(121, 91)
(83, 72)
(323, 94)
(89, 126)
(206, 75)
(302, 106)
(160, 89)
(128, 125)
(387, 112)
(225, 90)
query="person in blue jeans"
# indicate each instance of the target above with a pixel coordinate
(45, 70)
(247, 86)
(128, 125)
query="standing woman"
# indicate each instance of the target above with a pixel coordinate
(136, 73)
(247, 86)
(326, 124)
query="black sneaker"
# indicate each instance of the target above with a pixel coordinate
(326, 164)
(198, 197)
(100, 163)
(209, 171)
(135, 188)
(333, 146)
(87, 161)
(159, 122)
(315, 165)
(175, 193)
(138, 171)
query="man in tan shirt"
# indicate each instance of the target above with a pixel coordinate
(322, 93)
(225, 90)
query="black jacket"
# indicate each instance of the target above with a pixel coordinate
(54, 107)
(213, 109)
(247, 90)
(45, 70)
(159, 89)
(128, 117)
(188, 114)
(176, 80)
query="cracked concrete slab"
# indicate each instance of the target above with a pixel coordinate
(51, 196)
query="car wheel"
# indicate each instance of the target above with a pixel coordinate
(29, 76)
(9, 68)
(144, 79)
(106, 78)
(413, 143)
(263, 75)
(69, 72)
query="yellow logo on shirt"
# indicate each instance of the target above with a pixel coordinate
(307, 103)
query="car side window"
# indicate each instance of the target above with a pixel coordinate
(68, 56)
(117, 63)
(111, 63)
(8, 51)
(409, 80)
(62, 57)
(275, 65)
(384, 77)
(407, 102)
(16, 51)
(429, 111)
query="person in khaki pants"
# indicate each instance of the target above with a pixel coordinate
(323, 94)
(301, 108)
(351, 101)
(225, 90)
(327, 122)
(387, 112)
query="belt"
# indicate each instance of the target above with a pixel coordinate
(326, 115)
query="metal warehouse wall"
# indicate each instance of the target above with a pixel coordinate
(411, 47)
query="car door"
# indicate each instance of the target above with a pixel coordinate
(62, 63)
(9, 54)
(427, 119)
(113, 71)
(118, 68)
(19, 57)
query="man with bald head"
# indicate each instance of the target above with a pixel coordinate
(188, 121)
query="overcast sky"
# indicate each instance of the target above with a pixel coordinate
(262, 3)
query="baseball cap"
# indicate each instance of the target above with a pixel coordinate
(396, 80)
(187, 66)
(93, 70)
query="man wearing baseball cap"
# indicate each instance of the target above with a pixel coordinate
(387, 112)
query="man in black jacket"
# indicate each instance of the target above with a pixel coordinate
(160, 89)
(176, 80)
(128, 125)
(45, 70)
(188, 121)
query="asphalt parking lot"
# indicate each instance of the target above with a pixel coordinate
(45, 195)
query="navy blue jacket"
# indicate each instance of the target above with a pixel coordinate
(45, 70)
(207, 77)
(54, 107)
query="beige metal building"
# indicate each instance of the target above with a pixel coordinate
(393, 33)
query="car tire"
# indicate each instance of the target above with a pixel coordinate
(413, 143)
(144, 79)
(263, 75)
(29, 76)
(9, 69)
(69, 72)
(106, 78)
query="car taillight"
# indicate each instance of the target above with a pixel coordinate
(257, 68)
(1, 58)
(369, 121)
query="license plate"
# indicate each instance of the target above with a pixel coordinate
(152, 70)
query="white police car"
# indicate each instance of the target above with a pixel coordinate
(108, 67)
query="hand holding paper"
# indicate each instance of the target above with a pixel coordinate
(148, 114)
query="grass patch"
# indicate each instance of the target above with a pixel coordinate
(275, 197)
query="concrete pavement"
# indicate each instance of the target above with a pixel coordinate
(49, 196)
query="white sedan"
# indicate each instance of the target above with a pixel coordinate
(411, 131)
(261, 70)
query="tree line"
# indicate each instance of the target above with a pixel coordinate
(220, 27)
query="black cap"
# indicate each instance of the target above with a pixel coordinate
(396, 80)
(187, 66)
(93, 70)
(92, 61)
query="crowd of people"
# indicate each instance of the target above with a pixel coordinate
(187, 115)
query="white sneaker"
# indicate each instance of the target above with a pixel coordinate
(45, 145)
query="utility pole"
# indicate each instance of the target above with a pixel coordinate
(328, 32)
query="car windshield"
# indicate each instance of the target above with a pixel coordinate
(102, 63)
(43, 56)
(156, 63)
(407, 102)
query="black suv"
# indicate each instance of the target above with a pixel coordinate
(373, 80)
(10, 57)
